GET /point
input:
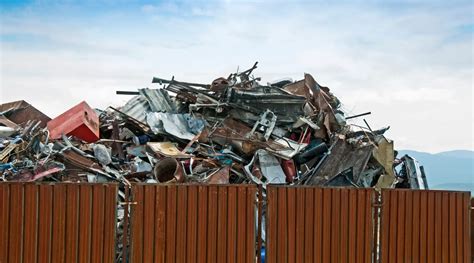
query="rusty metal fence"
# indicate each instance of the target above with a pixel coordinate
(307, 224)
(193, 223)
(207, 223)
(57, 222)
(425, 226)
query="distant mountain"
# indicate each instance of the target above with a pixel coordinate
(451, 170)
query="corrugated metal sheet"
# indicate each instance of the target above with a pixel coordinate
(193, 223)
(21, 111)
(425, 226)
(308, 224)
(57, 222)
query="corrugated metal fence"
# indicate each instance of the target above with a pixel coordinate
(307, 224)
(193, 223)
(57, 222)
(208, 223)
(425, 226)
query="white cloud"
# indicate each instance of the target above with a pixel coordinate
(407, 65)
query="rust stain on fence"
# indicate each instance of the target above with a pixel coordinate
(307, 224)
(58, 222)
(193, 223)
(425, 226)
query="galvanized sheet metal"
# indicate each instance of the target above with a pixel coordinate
(425, 226)
(57, 222)
(308, 224)
(193, 223)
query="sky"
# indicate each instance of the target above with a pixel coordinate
(410, 63)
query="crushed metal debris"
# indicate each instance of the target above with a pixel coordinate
(235, 130)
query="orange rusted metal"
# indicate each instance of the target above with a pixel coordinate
(193, 223)
(425, 226)
(61, 222)
(309, 224)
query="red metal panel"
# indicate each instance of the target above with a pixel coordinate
(80, 121)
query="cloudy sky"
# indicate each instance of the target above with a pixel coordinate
(410, 63)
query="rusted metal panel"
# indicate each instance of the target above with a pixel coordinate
(430, 226)
(327, 225)
(193, 223)
(52, 222)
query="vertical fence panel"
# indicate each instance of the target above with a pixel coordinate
(332, 224)
(51, 222)
(31, 218)
(193, 223)
(432, 226)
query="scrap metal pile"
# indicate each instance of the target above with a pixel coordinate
(235, 130)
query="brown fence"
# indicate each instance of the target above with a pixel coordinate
(307, 224)
(193, 223)
(205, 223)
(425, 226)
(57, 222)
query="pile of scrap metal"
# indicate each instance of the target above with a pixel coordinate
(234, 130)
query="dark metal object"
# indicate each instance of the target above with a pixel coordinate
(168, 170)
(358, 115)
(118, 92)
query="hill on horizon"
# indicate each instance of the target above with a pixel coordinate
(449, 170)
